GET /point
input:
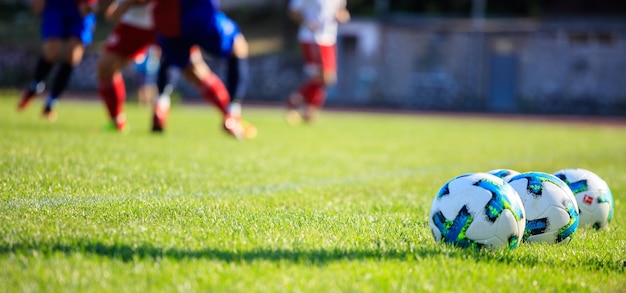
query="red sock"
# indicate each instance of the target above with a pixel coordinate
(305, 90)
(214, 91)
(319, 96)
(113, 94)
(314, 93)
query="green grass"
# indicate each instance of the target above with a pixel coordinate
(339, 206)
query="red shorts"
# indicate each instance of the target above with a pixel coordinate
(320, 57)
(129, 41)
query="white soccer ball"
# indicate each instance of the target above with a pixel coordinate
(505, 174)
(477, 210)
(551, 209)
(594, 198)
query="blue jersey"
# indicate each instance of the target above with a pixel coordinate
(184, 23)
(185, 17)
(62, 19)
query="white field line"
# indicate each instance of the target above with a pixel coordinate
(270, 189)
(257, 190)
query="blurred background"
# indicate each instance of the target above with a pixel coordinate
(517, 56)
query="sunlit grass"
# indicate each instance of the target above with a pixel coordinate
(340, 205)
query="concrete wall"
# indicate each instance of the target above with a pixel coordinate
(575, 67)
(226, 4)
(510, 66)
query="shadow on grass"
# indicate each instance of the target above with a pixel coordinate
(127, 253)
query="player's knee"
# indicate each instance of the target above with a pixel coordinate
(194, 73)
(329, 78)
(75, 52)
(52, 50)
(240, 47)
(103, 69)
(108, 64)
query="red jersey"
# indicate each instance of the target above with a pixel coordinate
(174, 18)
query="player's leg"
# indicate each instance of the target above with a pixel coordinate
(167, 77)
(58, 84)
(238, 79)
(328, 54)
(238, 73)
(123, 44)
(175, 54)
(216, 92)
(111, 87)
(51, 34)
(213, 90)
(230, 44)
(298, 102)
(51, 50)
(322, 62)
(197, 73)
(78, 33)
(318, 85)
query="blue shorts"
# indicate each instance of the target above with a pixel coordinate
(67, 22)
(216, 41)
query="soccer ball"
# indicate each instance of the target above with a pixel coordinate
(593, 196)
(505, 174)
(551, 209)
(477, 210)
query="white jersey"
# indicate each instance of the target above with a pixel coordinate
(139, 16)
(319, 20)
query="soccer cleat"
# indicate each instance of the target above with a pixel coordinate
(29, 94)
(118, 125)
(26, 97)
(160, 114)
(114, 127)
(233, 126)
(293, 117)
(310, 114)
(239, 128)
(157, 125)
(249, 130)
(294, 107)
(49, 114)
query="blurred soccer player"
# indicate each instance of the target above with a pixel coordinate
(318, 21)
(182, 24)
(132, 35)
(64, 23)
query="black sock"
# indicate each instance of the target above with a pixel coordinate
(61, 79)
(167, 79)
(237, 79)
(42, 69)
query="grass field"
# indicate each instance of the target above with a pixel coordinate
(339, 206)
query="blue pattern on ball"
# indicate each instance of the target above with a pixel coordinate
(499, 201)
